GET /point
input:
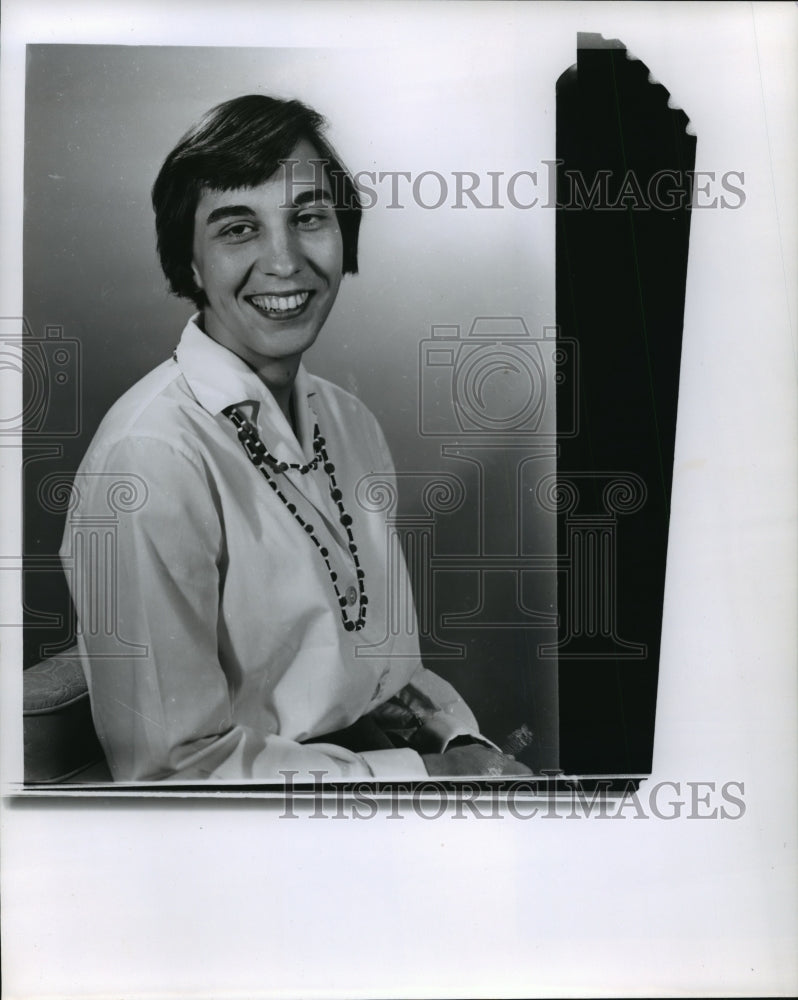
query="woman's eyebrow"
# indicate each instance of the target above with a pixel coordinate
(311, 195)
(226, 211)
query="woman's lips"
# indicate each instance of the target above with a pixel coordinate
(280, 306)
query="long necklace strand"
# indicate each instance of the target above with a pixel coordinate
(269, 467)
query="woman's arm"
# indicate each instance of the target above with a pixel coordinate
(147, 599)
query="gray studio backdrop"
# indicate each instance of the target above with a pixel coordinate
(450, 304)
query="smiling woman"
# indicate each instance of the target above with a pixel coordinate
(269, 262)
(243, 596)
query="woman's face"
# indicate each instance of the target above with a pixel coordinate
(269, 260)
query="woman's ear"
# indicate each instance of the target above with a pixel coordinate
(197, 276)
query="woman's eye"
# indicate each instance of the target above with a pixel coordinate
(311, 220)
(238, 230)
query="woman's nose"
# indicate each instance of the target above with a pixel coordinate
(279, 254)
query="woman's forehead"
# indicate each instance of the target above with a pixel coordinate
(304, 170)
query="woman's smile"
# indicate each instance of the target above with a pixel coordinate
(280, 307)
(269, 261)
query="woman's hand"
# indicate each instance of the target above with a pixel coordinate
(474, 760)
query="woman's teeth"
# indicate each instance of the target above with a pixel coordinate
(280, 303)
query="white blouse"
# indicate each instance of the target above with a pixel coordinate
(211, 633)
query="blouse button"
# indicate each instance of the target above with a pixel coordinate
(351, 595)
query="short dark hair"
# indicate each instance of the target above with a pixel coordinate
(240, 143)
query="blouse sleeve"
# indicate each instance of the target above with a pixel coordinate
(144, 573)
(428, 714)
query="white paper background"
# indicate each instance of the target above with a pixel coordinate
(222, 899)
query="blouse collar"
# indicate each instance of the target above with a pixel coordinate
(218, 378)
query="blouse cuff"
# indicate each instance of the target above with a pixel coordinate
(440, 730)
(388, 765)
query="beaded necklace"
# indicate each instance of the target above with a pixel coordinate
(269, 467)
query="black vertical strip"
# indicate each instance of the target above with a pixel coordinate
(623, 220)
